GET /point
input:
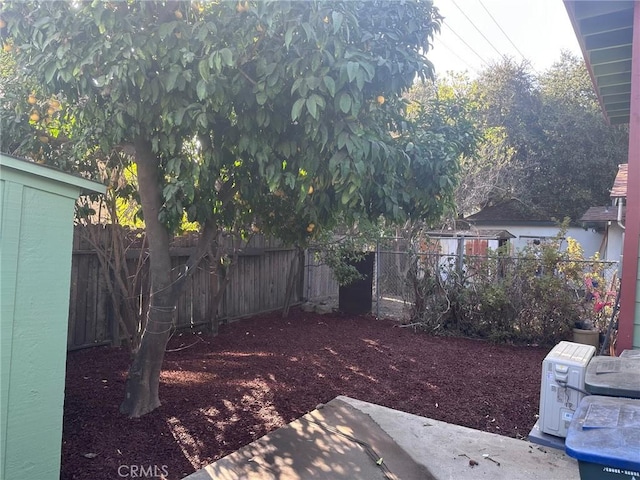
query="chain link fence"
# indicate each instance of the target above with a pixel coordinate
(402, 269)
(392, 290)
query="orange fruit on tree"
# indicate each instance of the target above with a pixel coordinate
(31, 100)
(380, 99)
(34, 117)
(2, 23)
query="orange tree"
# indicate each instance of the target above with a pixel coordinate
(284, 115)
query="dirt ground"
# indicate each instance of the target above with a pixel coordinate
(258, 374)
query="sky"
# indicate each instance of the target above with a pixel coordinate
(536, 30)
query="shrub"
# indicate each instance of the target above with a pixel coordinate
(536, 296)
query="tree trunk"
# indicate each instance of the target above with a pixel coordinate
(141, 390)
(294, 273)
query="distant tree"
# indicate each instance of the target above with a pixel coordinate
(272, 115)
(578, 159)
(510, 110)
(488, 173)
(544, 140)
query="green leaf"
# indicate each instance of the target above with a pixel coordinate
(312, 106)
(308, 31)
(166, 29)
(369, 69)
(352, 70)
(288, 36)
(335, 160)
(202, 120)
(312, 82)
(50, 72)
(203, 69)
(170, 80)
(342, 139)
(41, 22)
(345, 102)
(290, 180)
(360, 79)
(260, 117)
(201, 89)
(337, 18)
(296, 85)
(297, 109)
(179, 115)
(227, 57)
(330, 84)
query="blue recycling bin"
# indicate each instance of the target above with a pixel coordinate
(604, 436)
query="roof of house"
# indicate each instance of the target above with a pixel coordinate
(483, 234)
(29, 167)
(607, 213)
(510, 212)
(619, 189)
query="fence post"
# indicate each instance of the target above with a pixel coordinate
(307, 267)
(113, 318)
(460, 255)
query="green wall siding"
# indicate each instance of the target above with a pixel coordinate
(36, 230)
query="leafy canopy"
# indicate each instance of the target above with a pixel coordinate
(282, 114)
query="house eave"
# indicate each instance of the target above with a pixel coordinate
(604, 30)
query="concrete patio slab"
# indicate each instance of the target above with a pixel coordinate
(350, 439)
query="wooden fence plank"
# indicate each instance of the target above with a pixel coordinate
(257, 284)
(71, 327)
(80, 326)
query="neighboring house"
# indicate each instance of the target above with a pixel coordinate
(605, 220)
(610, 218)
(453, 243)
(609, 35)
(527, 225)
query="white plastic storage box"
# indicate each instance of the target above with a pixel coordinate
(604, 436)
(562, 386)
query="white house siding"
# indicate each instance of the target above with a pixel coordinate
(449, 246)
(614, 243)
(525, 234)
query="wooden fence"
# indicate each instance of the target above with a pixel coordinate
(319, 283)
(258, 283)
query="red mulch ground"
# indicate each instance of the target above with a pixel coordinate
(261, 373)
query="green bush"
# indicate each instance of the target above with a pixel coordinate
(532, 297)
